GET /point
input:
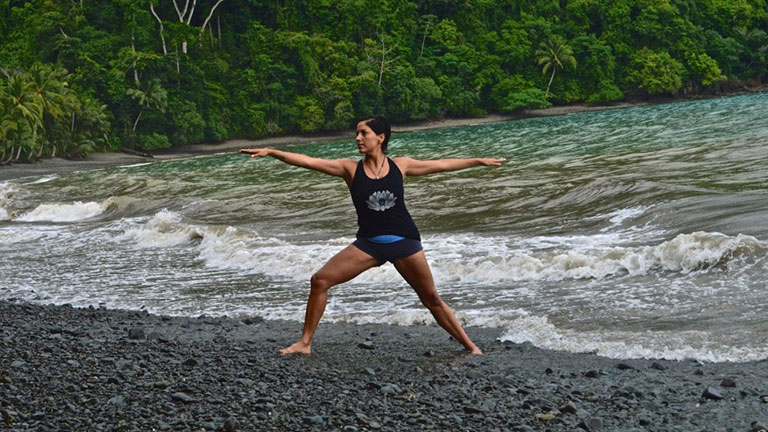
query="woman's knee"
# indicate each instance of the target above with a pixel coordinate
(431, 300)
(319, 282)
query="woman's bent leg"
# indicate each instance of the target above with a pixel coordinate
(344, 266)
(415, 270)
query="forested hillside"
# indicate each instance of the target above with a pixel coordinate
(83, 75)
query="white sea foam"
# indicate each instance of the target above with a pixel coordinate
(74, 212)
(45, 179)
(6, 190)
(671, 345)
(10, 236)
(165, 229)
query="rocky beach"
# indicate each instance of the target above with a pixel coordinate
(65, 368)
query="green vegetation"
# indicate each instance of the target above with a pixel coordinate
(84, 75)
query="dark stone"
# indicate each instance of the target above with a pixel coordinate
(728, 383)
(592, 424)
(473, 409)
(592, 374)
(712, 393)
(189, 363)
(569, 408)
(624, 366)
(474, 374)
(317, 420)
(136, 333)
(658, 366)
(118, 401)
(390, 389)
(366, 345)
(155, 336)
(182, 397)
(429, 353)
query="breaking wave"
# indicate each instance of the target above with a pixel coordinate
(455, 258)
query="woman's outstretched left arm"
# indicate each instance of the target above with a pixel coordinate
(416, 167)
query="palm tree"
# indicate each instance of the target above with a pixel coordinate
(21, 108)
(149, 94)
(552, 54)
(57, 100)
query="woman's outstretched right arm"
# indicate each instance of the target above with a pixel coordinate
(336, 167)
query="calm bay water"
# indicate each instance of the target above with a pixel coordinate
(631, 233)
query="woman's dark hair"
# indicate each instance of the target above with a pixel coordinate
(379, 125)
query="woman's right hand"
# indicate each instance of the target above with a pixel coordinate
(256, 152)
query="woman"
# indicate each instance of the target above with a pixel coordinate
(386, 230)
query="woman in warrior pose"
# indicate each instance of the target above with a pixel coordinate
(386, 230)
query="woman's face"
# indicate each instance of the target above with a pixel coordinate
(366, 138)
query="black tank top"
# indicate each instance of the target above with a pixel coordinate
(380, 204)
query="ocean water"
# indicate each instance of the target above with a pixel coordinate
(630, 233)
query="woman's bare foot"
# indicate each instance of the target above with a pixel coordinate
(298, 348)
(473, 349)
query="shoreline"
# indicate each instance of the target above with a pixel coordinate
(66, 368)
(111, 159)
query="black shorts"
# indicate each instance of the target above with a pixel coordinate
(391, 252)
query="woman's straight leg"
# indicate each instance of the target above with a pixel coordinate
(415, 270)
(342, 267)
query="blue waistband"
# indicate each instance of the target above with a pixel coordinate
(385, 238)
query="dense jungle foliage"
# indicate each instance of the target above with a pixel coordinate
(84, 75)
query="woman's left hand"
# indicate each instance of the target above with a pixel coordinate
(492, 161)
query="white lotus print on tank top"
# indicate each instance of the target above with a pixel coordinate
(381, 200)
